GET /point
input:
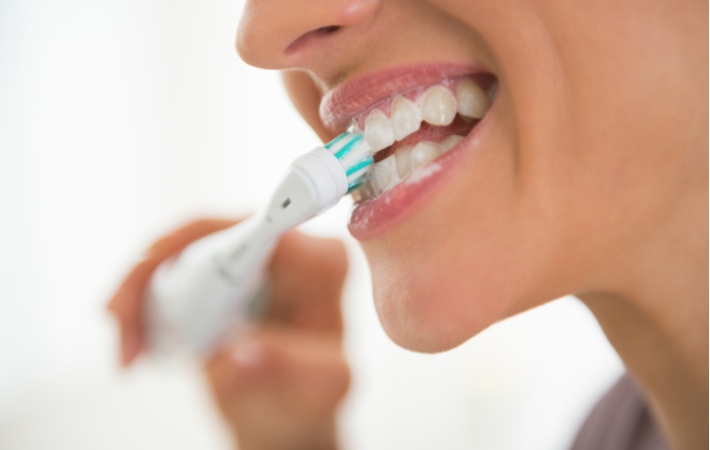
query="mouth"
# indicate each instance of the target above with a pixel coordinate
(412, 120)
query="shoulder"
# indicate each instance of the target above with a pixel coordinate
(621, 420)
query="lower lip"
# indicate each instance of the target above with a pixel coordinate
(380, 215)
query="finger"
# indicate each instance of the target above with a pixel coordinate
(280, 368)
(180, 238)
(127, 302)
(307, 275)
(280, 390)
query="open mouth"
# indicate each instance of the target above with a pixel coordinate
(411, 129)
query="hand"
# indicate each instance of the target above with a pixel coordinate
(278, 387)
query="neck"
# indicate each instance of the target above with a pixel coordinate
(656, 317)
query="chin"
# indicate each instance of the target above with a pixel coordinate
(423, 317)
(426, 306)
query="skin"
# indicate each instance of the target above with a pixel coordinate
(593, 181)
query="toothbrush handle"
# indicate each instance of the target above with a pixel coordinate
(211, 286)
(217, 283)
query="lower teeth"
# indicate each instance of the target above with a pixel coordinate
(395, 168)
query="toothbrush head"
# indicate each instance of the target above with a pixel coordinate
(317, 180)
(354, 154)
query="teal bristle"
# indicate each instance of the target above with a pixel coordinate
(354, 154)
(330, 144)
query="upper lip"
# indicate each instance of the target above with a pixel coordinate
(347, 100)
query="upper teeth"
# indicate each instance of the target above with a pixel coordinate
(378, 131)
(405, 118)
(471, 100)
(438, 106)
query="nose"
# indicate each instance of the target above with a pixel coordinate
(289, 34)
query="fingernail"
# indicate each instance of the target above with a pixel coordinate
(247, 354)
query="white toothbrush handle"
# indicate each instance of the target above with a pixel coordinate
(192, 301)
(212, 285)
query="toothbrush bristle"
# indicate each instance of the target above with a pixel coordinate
(355, 155)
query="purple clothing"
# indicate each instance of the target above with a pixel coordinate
(621, 421)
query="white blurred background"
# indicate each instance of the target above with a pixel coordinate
(122, 119)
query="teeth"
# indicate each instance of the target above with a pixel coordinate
(405, 118)
(472, 101)
(450, 142)
(493, 92)
(395, 168)
(362, 193)
(386, 172)
(366, 191)
(378, 131)
(423, 153)
(404, 164)
(373, 184)
(438, 106)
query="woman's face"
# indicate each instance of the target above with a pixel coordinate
(589, 144)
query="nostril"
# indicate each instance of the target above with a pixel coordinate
(327, 30)
(311, 36)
